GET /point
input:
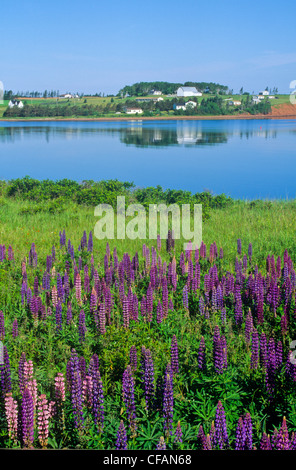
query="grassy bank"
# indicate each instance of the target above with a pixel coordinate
(269, 225)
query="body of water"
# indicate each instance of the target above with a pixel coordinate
(244, 159)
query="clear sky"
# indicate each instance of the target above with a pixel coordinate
(99, 46)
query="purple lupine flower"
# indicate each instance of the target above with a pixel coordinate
(90, 243)
(10, 255)
(271, 366)
(128, 392)
(201, 358)
(97, 401)
(201, 306)
(240, 438)
(102, 318)
(255, 349)
(221, 436)
(36, 286)
(149, 387)
(161, 444)
(282, 438)
(218, 358)
(75, 384)
(201, 437)
(81, 326)
(168, 401)
(174, 355)
(178, 433)
(249, 432)
(125, 311)
(21, 372)
(133, 358)
(27, 419)
(60, 287)
(121, 441)
(239, 246)
(165, 300)
(158, 242)
(48, 263)
(248, 326)
(265, 443)
(238, 311)
(15, 328)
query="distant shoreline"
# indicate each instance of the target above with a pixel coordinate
(154, 118)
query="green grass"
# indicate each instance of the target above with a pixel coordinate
(269, 225)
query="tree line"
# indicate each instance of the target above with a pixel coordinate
(168, 88)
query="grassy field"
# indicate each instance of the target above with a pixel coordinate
(269, 225)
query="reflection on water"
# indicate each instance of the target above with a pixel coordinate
(135, 133)
(241, 158)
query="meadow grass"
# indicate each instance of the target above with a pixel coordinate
(268, 225)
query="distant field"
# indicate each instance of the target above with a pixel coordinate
(103, 101)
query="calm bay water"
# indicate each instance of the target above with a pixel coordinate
(243, 159)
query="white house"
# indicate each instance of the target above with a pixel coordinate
(256, 100)
(66, 95)
(156, 92)
(13, 103)
(264, 93)
(177, 107)
(190, 104)
(133, 110)
(235, 103)
(188, 91)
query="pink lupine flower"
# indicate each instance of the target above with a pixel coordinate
(54, 296)
(29, 381)
(11, 412)
(43, 420)
(59, 385)
(78, 288)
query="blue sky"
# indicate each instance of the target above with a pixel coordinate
(99, 46)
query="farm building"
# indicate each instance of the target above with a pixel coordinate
(264, 93)
(133, 110)
(235, 103)
(13, 103)
(188, 91)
